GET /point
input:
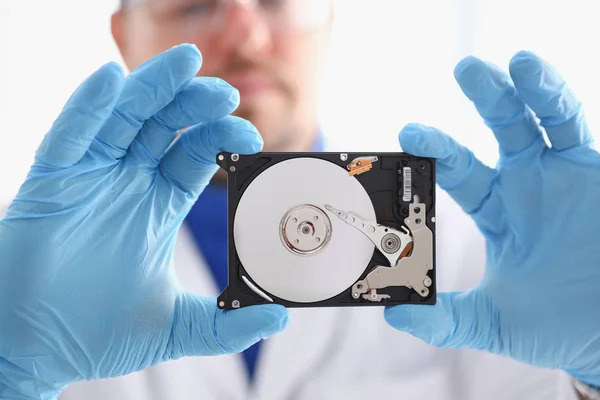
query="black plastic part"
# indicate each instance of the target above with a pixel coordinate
(384, 185)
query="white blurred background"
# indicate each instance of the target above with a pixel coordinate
(391, 63)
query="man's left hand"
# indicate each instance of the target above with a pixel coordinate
(539, 299)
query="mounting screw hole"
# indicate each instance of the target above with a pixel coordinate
(417, 210)
(418, 221)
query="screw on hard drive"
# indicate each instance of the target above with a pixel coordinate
(235, 157)
(343, 157)
(232, 168)
(221, 157)
(235, 304)
(427, 281)
(221, 304)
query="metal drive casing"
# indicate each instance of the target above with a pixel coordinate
(323, 229)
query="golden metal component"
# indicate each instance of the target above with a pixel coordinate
(407, 250)
(360, 165)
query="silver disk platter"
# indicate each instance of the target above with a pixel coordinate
(329, 229)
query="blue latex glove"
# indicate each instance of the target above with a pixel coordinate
(87, 289)
(539, 299)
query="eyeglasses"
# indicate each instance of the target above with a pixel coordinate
(208, 16)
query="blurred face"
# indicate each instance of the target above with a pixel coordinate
(272, 51)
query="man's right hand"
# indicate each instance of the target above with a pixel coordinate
(87, 289)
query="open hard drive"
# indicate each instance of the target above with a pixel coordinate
(330, 229)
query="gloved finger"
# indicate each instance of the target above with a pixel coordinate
(466, 179)
(202, 329)
(540, 85)
(204, 99)
(191, 162)
(492, 92)
(81, 118)
(457, 320)
(147, 90)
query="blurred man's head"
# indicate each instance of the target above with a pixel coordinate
(273, 51)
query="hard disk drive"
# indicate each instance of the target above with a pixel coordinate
(329, 229)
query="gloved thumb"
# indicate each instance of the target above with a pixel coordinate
(457, 320)
(200, 328)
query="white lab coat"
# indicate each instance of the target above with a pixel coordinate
(342, 353)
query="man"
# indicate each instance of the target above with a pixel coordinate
(109, 181)
(273, 52)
